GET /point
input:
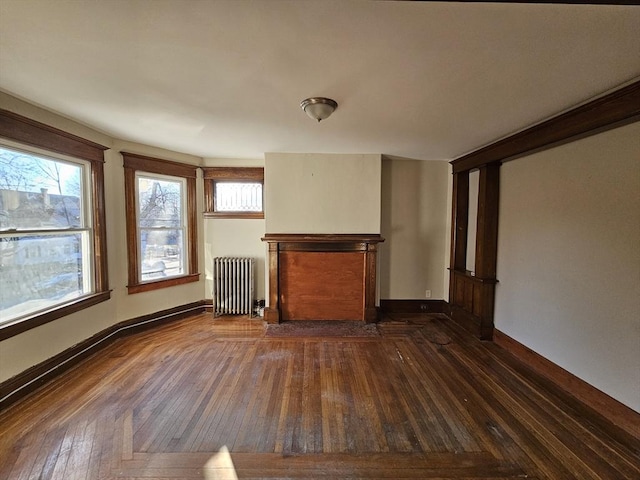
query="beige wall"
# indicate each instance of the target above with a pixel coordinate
(414, 223)
(569, 258)
(568, 255)
(36, 345)
(322, 193)
(131, 306)
(356, 185)
(234, 237)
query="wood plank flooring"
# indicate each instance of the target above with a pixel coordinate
(216, 399)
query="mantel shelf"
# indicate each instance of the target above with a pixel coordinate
(321, 237)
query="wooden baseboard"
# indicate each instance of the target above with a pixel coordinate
(611, 409)
(24, 383)
(414, 306)
(207, 304)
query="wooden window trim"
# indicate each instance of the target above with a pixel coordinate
(237, 174)
(140, 163)
(26, 131)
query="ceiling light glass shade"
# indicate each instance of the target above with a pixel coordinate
(318, 108)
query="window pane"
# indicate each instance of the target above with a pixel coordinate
(238, 197)
(161, 253)
(39, 193)
(160, 226)
(40, 271)
(159, 202)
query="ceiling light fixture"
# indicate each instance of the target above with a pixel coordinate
(318, 108)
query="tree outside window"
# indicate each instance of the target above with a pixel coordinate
(161, 226)
(45, 232)
(161, 222)
(53, 244)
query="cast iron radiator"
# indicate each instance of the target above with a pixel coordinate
(233, 291)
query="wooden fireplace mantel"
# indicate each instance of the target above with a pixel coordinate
(322, 276)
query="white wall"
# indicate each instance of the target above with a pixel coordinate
(415, 206)
(569, 258)
(322, 193)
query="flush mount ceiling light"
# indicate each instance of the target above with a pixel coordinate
(318, 108)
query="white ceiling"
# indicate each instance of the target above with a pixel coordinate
(422, 80)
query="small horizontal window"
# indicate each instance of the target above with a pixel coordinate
(238, 197)
(232, 192)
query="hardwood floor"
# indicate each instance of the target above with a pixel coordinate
(216, 399)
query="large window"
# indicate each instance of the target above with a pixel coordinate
(161, 229)
(161, 226)
(45, 232)
(52, 233)
(233, 192)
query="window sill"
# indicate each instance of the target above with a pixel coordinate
(164, 283)
(23, 324)
(245, 215)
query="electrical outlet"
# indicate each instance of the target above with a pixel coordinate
(427, 294)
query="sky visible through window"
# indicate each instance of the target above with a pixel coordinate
(44, 239)
(238, 197)
(161, 227)
(30, 173)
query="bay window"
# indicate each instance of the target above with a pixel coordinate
(45, 231)
(161, 222)
(52, 230)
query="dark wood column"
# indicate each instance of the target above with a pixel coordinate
(487, 231)
(272, 311)
(487, 246)
(472, 294)
(460, 221)
(459, 228)
(371, 262)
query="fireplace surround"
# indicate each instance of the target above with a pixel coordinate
(322, 277)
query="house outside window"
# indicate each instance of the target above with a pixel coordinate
(46, 231)
(161, 223)
(53, 254)
(161, 226)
